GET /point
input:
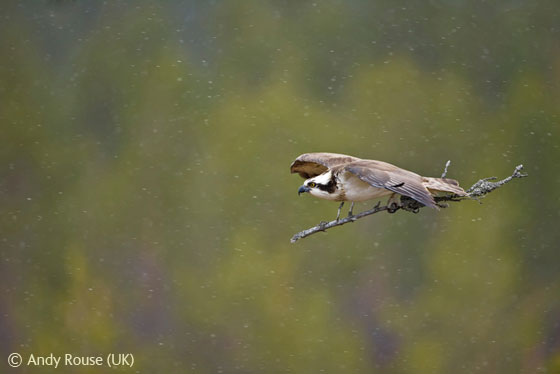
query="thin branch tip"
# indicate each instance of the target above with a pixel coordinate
(517, 172)
(445, 170)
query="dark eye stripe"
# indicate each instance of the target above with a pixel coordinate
(330, 187)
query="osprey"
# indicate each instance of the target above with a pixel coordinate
(338, 177)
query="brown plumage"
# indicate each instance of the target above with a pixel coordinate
(359, 179)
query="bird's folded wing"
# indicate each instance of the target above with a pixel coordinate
(397, 180)
(310, 165)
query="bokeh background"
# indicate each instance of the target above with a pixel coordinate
(147, 205)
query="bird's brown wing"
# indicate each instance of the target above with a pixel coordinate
(383, 175)
(310, 165)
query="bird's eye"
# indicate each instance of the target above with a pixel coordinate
(312, 184)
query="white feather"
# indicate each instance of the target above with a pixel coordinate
(356, 189)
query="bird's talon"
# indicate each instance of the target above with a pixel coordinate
(392, 208)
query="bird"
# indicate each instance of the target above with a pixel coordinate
(339, 177)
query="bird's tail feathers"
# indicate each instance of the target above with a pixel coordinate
(444, 185)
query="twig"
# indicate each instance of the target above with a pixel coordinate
(445, 170)
(483, 186)
(323, 226)
(477, 190)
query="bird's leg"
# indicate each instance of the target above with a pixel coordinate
(339, 208)
(393, 204)
(350, 214)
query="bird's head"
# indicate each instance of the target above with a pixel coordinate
(322, 186)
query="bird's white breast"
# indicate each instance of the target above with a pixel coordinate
(354, 189)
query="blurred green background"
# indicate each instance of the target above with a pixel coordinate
(147, 205)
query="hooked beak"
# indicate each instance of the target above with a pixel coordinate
(303, 189)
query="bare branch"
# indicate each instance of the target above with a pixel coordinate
(445, 170)
(476, 191)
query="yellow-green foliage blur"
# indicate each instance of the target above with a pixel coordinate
(146, 201)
